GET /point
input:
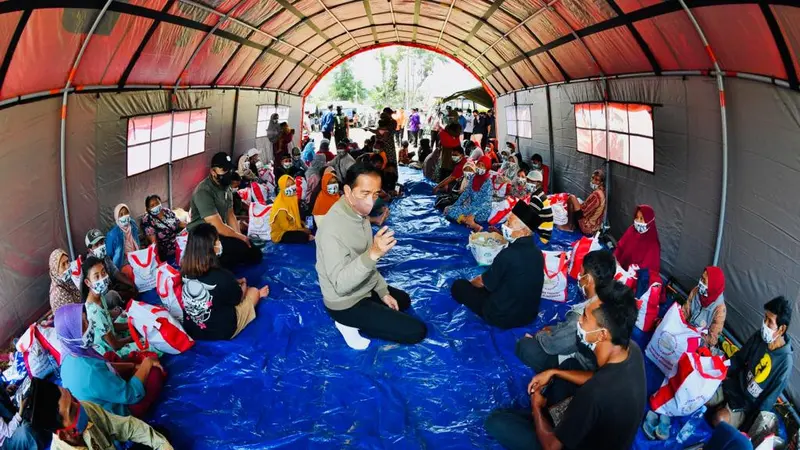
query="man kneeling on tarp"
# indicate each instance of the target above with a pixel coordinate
(759, 371)
(508, 294)
(83, 425)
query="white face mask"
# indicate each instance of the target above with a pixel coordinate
(218, 250)
(702, 288)
(640, 227)
(767, 334)
(290, 191)
(582, 336)
(507, 233)
(287, 165)
(480, 171)
(259, 165)
(582, 287)
(100, 251)
(456, 159)
(333, 189)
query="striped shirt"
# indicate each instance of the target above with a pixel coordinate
(541, 204)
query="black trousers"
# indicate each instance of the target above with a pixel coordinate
(235, 252)
(413, 137)
(530, 352)
(376, 320)
(294, 237)
(476, 299)
(513, 429)
(467, 136)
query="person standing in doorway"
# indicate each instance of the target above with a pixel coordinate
(401, 126)
(341, 126)
(326, 124)
(478, 128)
(413, 127)
(469, 122)
(212, 202)
(491, 127)
(461, 119)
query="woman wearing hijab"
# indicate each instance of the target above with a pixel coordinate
(123, 238)
(287, 225)
(590, 213)
(449, 141)
(431, 162)
(62, 289)
(284, 141)
(120, 388)
(328, 195)
(640, 244)
(273, 132)
(313, 176)
(705, 307)
(475, 203)
(342, 161)
(476, 155)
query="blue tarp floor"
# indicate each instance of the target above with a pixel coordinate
(289, 381)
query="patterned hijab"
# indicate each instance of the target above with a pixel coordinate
(131, 244)
(61, 292)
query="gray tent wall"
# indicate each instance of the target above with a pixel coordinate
(761, 251)
(33, 221)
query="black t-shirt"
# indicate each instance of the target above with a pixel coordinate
(606, 412)
(210, 305)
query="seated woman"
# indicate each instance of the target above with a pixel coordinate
(62, 289)
(120, 388)
(287, 225)
(327, 196)
(104, 335)
(475, 203)
(217, 306)
(161, 226)
(313, 177)
(247, 168)
(640, 244)
(519, 185)
(285, 138)
(123, 238)
(590, 213)
(705, 307)
(121, 282)
(285, 166)
(342, 161)
(424, 149)
(405, 157)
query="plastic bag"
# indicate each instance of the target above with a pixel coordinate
(673, 337)
(486, 246)
(555, 276)
(145, 265)
(693, 382)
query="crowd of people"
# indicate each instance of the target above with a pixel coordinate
(589, 388)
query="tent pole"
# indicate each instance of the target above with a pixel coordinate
(724, 118)
(169, 166)
(235, 117)
(550, 183)
(608, 156)
(63, 138)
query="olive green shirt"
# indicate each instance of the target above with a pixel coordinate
(209, 199)
(105, 428)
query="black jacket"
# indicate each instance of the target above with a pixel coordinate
(514, 281)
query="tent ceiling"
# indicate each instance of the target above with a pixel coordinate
(287, 45)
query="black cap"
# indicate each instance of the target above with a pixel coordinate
(527, 214)
(222, 160)
(41, 407)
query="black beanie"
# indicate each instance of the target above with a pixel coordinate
(528, 215)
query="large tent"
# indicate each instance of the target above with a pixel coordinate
(79, 80)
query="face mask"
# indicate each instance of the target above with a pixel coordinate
(259, 165)
(521, 180)
(65, 277)
(80, 422)
(456, 159)
(582, 336)
(531, 187)
(156, 210)
(218, 252)
(480, 171)
(594, 186)
(125, 220)
(640, 227)
(290, 191)
(333, 189)
(376, 150)
(100, 286)
(340, 152)
(536, 166)
(225, 179)
(287, 165)
(702, 289)
(767, 334)
(362, 207)
(100, 251)
(507, 233)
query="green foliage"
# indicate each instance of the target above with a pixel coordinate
(345, 86)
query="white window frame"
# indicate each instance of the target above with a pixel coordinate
(181, 134)
(619, 130)
(516, 122)
(265, 112)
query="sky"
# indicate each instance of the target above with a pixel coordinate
(448, 77)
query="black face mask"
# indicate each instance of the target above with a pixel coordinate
(225, 179)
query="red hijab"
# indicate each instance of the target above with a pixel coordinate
(716, 285)
(643, 249)
(478, 180)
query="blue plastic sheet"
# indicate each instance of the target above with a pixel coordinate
(289, 380)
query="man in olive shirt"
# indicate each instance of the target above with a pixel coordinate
(212, 202)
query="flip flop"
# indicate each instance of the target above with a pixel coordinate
(662, 429)
(650, 424)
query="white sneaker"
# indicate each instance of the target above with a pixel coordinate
(352, 337)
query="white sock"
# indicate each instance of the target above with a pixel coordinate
(352, 337)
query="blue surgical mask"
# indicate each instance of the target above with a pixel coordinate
(156, 210)
(100, 286)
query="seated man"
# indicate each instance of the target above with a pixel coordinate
(508, 294)
(83, 425)
(542, 205)
(212, 202)
(608, 406)
(541, 352)
(355, 294)
(759, 371)
(121, 282)
(14, 433)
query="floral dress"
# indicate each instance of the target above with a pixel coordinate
(100, 323)
(478, 204)
(165, 231)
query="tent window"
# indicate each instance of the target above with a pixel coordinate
(152, 138)
(265, 112)
(518, 121)
(625, 129)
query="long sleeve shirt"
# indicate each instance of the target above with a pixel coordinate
(7, 429)
(717, 320)
(90, 379)
(105, 428)
(346, 272)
